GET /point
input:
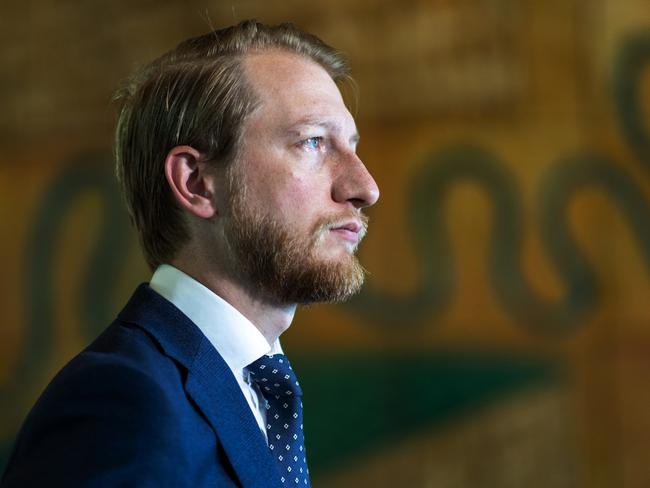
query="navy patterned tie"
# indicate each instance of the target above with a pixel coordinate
(278, 384)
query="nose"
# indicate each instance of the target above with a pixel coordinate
(354, 185)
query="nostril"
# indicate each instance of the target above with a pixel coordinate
(358, 202)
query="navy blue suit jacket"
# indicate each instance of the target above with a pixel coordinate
(150, 403)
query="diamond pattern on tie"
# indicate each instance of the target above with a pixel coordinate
(278, 384)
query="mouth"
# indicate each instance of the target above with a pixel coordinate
(352, 231)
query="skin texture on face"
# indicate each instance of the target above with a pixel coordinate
(297, 187)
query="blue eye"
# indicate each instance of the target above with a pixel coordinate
(313, 143)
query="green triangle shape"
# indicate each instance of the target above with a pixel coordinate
(355, 403)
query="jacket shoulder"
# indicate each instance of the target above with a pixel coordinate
(116, 412)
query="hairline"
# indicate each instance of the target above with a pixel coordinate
(256, 102)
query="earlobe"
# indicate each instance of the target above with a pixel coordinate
(191, 186)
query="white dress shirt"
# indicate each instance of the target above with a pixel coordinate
(234, 337)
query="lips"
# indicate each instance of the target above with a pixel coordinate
(350, 226)
(352, 230)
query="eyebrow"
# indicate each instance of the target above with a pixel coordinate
(314, 121)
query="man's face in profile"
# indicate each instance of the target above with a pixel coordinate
(298, 187)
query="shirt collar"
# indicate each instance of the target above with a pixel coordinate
(234, 337)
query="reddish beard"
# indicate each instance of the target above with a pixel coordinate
(284, 267)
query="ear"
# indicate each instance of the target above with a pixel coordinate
(191, 185)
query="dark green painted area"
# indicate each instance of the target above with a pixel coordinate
(630, 63)
(358, 404)
(5, 450)
(559, 185)
(83, 174)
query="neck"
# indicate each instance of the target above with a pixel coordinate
(271, 319)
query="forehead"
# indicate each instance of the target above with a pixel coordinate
(292, 89)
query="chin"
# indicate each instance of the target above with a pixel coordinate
(338, 251)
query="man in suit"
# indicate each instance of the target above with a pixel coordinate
(237, 157)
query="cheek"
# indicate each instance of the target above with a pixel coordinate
(292, 197)
(297, 189)
(287, 189)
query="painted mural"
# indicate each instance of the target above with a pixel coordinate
(503, 338)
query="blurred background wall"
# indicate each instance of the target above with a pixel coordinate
(503, 339)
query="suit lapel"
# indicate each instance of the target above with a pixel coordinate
(209, 383)
(227, 411)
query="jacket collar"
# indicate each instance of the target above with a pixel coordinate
(209, 383)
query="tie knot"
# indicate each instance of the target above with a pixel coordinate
(274, 375)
